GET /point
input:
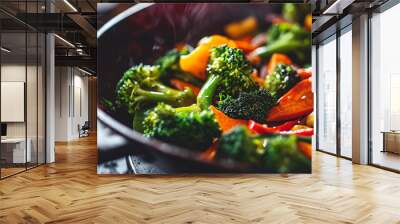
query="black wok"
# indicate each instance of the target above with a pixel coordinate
(141, 34)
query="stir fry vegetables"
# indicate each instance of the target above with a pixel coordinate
(216, 100)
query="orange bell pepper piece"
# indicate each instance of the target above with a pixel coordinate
(241, 28)
(278, 59)
(297, 102)
(245, 44)
(225, 122)
(181, 85)
(196, 61)
(305, 148)
(308, 22)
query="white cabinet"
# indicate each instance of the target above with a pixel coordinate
(16, 150)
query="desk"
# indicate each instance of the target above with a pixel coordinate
(391, 141)
(13, 150)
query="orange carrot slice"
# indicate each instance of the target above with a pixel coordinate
(225, 122)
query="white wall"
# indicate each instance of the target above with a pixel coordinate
(16, 73)
(71, 102)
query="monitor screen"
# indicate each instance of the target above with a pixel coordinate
(3, 129)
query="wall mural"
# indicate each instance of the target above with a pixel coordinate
(204, 88)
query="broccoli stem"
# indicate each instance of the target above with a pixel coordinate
(206, 94)
(191, 108)
(165, 89)
(138, 119)
(283, 46)
(168, 96)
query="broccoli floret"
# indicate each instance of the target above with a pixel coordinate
(248, 105)
(283, 78)
(229, 73)
(170, 69)
(288, 39)
(283, 156)
(274, 153)
(140, 84)
(240, 145)
(185, 126)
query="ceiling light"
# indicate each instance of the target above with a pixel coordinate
(84, 71)
(5, 50)
(65, 41)
(70, 5)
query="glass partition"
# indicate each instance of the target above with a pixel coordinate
(14, 151)
(22, 101)
(345, 43)
(32, 96)
(327, 95)
(385, 89)
(41, 107)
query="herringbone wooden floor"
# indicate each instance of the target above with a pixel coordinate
(69, 191)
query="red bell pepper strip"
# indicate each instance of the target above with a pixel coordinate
(264, 129)
(297, 102)
(302, 132)
(304, 73)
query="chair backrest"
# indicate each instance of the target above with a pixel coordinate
(86, 125)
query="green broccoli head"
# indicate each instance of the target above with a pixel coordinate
(231, 64)
(140, 84)
(240, 145)
(283, 156)
(283, 78)
(229, 73)
(287, 38)
(188, 127)
(248, 105)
